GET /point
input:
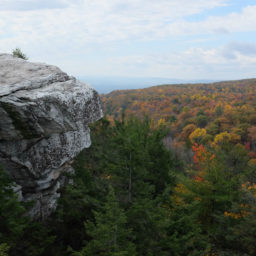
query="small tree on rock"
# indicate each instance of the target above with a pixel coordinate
(19, 54)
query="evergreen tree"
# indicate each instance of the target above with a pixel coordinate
(18, 234)
(216, 200)
(109, 233)
(12, 222)
(4, 249)
(140, 171)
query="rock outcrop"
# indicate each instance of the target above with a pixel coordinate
(44, 124)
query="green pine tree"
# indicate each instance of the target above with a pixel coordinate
(12, 222)
(140, 170)
(4, 249)
(212, 199)
(110, 235)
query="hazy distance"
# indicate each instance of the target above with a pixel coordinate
(106, 84)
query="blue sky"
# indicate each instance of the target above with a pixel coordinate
(185, 39)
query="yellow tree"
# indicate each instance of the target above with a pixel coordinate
(197, 135)
(221, 139)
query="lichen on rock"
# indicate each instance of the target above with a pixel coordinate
(44, 124)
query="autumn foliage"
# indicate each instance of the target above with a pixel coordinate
(210, 114)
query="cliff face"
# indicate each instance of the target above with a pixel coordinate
(44, 124)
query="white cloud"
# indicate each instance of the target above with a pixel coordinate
(233, 22)
(26, 5)
(62, 32)
(195, 63)
(101, 21)
(234, 49)
(94, 21)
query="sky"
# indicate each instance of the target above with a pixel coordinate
(182, 39)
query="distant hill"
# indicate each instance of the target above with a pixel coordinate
(106, 84)
(220, 107)
(126, 99)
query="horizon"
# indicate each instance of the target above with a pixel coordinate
(170, 39)
(107, 84)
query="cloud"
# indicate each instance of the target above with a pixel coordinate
(97, 20)
(65, 33)
(28, 5)
(100, 21)
(233, 22)
(196, 62)
(234, 49)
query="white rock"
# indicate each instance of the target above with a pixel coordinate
(44, 124)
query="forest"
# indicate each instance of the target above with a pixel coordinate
(171, 172)
(194, 113)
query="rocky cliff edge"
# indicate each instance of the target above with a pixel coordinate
(44, 118)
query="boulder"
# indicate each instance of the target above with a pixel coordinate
(44, 124)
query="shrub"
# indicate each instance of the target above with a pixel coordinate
(19, 54)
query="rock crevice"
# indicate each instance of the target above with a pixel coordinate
(44, 124)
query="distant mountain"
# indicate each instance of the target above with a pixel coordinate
(218, 107)
(106, 84)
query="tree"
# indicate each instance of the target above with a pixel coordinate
(19, 54)
(132, 158)
(197, 135)
(187, 130)
(252, 136)
(214, 196)
(4, 249)
(221, 139)
(141, 171)
(12, 223)
(219, 110)
(201, 121)
(18, 234)
(109, 234)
